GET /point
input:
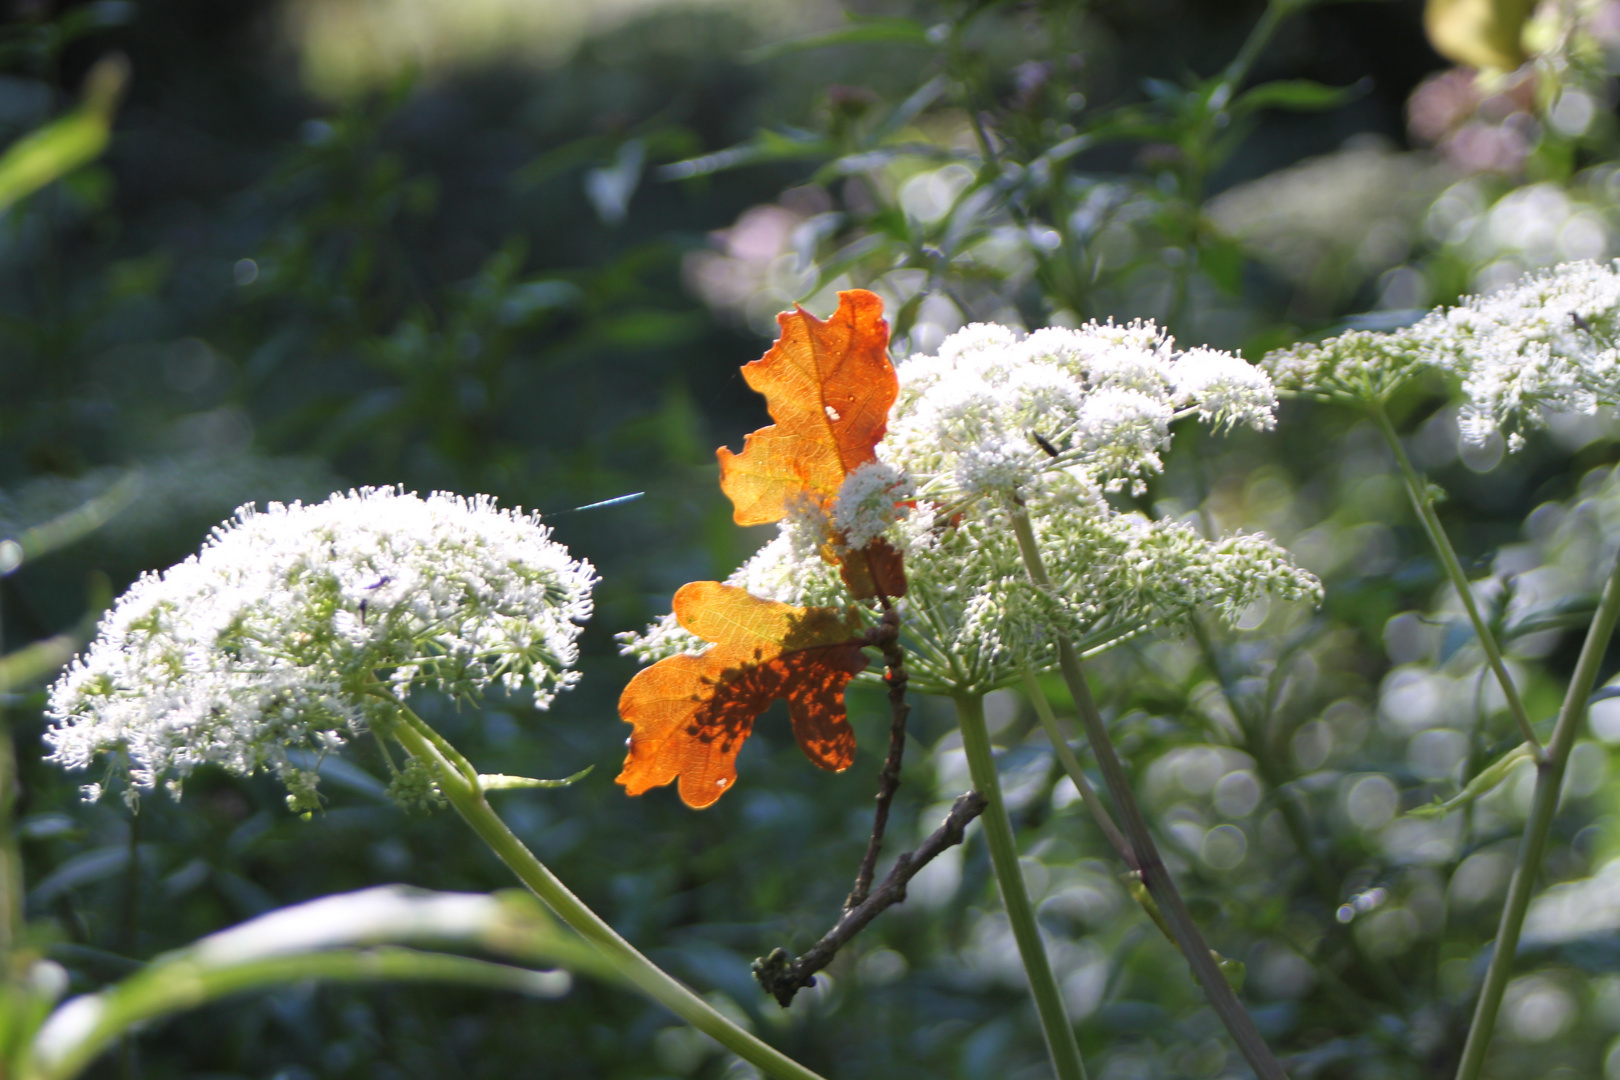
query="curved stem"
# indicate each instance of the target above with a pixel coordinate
(176, 988)
(1155, 875)
(465, 795)
(1060, 1041)
(1543, 805)
(1071, 765)
(1423, 503)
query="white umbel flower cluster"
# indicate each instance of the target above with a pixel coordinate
(1547, 343)
(1550, 343)
(292, 624)
(1102, 398)
(994, 412)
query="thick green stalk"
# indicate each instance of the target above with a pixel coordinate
(1543, 805)
(1418, 489)
(467, 797)
(1155, 875)
(1060, 1041)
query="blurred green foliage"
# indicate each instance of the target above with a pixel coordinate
(538, 282)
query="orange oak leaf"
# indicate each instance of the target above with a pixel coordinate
(829, 387)
(691, 714)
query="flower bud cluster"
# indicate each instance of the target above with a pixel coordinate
(293, 624)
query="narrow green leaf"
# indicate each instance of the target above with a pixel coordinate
(67, 142)
(767, 146)
(501, 782)
(1298, 95)
(65, 529)
(871, 31)
(350, 937)
(1488, 779)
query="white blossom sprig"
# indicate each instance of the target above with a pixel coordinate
(1547, 343)
(278, 634)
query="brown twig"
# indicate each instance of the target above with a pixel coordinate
(886, 636)
(783, 976)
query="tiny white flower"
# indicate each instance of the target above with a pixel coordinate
(1225, 390)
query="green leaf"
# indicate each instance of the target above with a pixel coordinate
(1488, 779)
(1298, 95)
(767, 146)
(347, 938)
(502, 782)
(68, 142)
(869, 31)
(1221, 260)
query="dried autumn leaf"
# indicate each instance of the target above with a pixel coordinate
(829, 386)
(691, 714)
(878, 569)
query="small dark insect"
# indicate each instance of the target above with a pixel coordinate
(379, 583)
(1590, 330)
(1044, 443)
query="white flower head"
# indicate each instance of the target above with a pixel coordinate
(1226, 391)
(1047, 423)
(1545, 344)
(994, 413)
(293, 624)
(974, 619)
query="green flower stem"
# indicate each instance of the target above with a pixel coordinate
(458, 782)
(1155, 875)
(12, 912)
(1259, 37)
(1549, 783)
(1060, 1041)
(1423, 503)
(11, 866)
(1071, 765)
